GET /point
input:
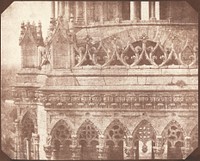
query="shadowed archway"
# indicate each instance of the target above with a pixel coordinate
(61, 141)
(173, 139)
(88, 138)
(115, 135)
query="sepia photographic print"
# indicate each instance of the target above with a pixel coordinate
(99, 80)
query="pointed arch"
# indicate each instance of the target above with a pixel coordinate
(173, 132)
(117, 122)
(27, 128)
(61, 140)
(115, 135)
(144, 137)
(27, 125)
(194, 137)
(61, 131)
(88, 138)
(88, 132)
(144, 132)
(173, 138)
(30, 113)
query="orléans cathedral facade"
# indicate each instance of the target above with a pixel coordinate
(108, 83)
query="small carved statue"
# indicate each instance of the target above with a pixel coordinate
(43, 57)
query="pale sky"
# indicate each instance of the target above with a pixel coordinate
(11, 20)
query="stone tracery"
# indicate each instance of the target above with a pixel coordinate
(61, 140)
(174, 138)
(88, 137)
(140, 52)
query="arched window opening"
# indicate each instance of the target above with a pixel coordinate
(114, 139)
(173, 140)
(61, 141)
(88, 137)
(27, 130)
(144, 140)
(194, 137)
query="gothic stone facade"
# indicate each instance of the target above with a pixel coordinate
(107, 85)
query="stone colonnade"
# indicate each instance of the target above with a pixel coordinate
(129, 149)
(81, 8)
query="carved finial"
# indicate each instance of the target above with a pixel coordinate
(33, 23)
(22, 25)
(27, 23)
(52, 24)
(39, 34)
(39, 24)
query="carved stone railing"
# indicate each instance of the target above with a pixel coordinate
(153, 45)
(135, 100)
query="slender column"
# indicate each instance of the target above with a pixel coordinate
(158, 148)
(128, 148)
(35, 138)
(145, 7)
(48, 148)
(75, 148)
(67, 10)
(17, 140)
(79, 11)
(85, 12)
(135, 10)
(118, 12)
(186, 150)
(157, 10)
(152, 14)
(53, 9)
(58, 8)
(134, 152)
(100, 148)
(28, 155)
(101, 12)
(62, 8)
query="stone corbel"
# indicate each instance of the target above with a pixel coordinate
(48, 150)
(159, 148)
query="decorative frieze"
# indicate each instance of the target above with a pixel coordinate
(24, 95)
(123, 100)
